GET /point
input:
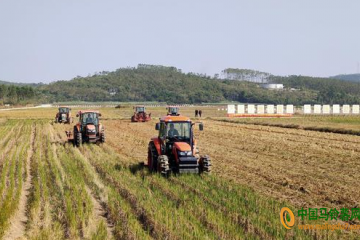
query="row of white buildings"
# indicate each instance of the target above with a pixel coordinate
(291, 109)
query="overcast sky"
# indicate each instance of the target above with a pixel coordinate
(47, 40)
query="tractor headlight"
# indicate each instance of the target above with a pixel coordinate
(91, 130)
(186, 153)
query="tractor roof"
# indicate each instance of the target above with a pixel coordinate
(139, 106)
(64, 107)
(170, 118)
(88, 111)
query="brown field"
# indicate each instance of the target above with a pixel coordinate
(50, 189)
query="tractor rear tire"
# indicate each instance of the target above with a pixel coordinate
(103, 138)
(152, 157)
(78, 139)
(205, 164)
(163, 165)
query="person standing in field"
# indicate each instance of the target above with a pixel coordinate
(200, 112)
(196, 113)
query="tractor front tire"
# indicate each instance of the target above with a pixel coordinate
(163, 165)
(205, 164)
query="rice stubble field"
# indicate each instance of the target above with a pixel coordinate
(50, 189)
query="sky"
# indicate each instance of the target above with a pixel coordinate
(48, 40)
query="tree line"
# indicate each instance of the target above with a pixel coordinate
(11, 94)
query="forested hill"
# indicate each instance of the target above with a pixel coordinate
(327, 90)
(348, 77)
(166, 84)
(169, 84)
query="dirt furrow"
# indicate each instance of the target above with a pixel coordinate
(99, 202)
(20, 218)
(99, 214)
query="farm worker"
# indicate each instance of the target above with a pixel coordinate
(196, 113)
(89, 119)
(172, 131)
(200, 112)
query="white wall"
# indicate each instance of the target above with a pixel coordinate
(355, 109)
(279, 109)
(251, 109)
(336, 109)
(231, 109)
(260, 109)
(326, 109)
(270, 109)
(317, 109)
(241, 109)
(290, 109)
(307, 109)
(346, 109)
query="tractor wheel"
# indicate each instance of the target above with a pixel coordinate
(163, 165)
(78, 139)
(152, 157)
(56, 120)
(103, 138)
(205, 164)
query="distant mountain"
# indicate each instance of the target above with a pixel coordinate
(21, 84)
(6, 83)
(348, 77)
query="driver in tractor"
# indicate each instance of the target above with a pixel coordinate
(89, 119)
(172, 131)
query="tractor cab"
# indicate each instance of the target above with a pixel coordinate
(175, 132)
(174, 149)
(173, 111)
(139, 109)
(64, 110)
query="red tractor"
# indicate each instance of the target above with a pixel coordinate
(140, 114)
(175, 148)
(88, 129)
(63, 115)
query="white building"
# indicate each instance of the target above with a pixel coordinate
(272, 86)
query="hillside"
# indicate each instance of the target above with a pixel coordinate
(348, 77)
(165, 84)
(327, 90)
(169, 84)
